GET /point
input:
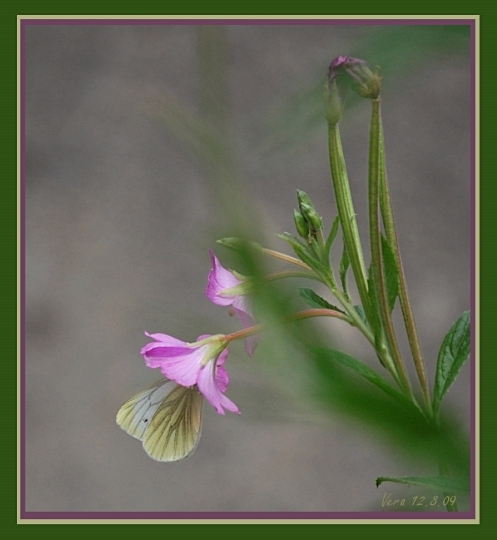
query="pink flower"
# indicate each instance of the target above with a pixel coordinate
(197, 363)
(227, 288)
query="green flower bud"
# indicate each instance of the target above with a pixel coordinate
(300, 224)
(308, 211)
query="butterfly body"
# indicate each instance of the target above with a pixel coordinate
(166, 417)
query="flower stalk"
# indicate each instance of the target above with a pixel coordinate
(348, 217)
(300, 315)
(405, 304)
(377, 266)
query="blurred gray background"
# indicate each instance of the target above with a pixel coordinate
(123, 201)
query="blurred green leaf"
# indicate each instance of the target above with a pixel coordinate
(403, 427)
(370, 374)
(239, 244)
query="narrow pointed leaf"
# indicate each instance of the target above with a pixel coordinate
(332, 236)
(440, 483)
(391, 272)
(344, 266)
(302, 252)
(453, 353)
(315, 301)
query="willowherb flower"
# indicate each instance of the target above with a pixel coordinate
(228, 288)
(189, 364)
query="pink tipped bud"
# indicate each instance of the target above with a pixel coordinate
(366, 83)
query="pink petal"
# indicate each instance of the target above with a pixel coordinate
(242, 303)
(218, 281)
(178, 362)
(159, 350)
(183, 369)
(247, 321)
(206, 383)
(222, 378)
(251, 343)
(222, 357)
(166, 340)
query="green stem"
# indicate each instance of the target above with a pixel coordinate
(359, 323)
(352, 313)
(348, 217)
(405, 304)
(377, 267)
(307, 314)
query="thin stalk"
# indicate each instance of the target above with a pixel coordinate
(307, 314)
(348, 217)
(378, 271)
(291, 273)
(354, 316)
(405, 304)
(286, 258)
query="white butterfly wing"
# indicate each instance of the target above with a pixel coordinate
(136, 414)
(168, 419)
(175, 429)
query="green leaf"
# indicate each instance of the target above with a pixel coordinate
(332, 236)
(344, 266)
(296, 244)
(441, 483)
(391, 272)
(315, 301)
(302, 252)
(453, 353)
(369, 374)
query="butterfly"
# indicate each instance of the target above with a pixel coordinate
(167, 418)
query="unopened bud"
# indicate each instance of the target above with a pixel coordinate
(366, 83)
(308, 211)
(300, 224)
